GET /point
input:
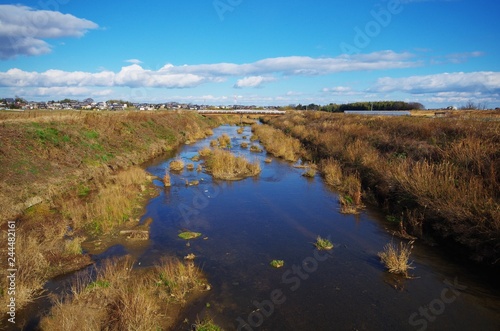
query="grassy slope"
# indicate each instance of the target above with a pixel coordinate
(433, 175)
(63, 174)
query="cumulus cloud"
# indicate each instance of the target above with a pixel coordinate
(185, 76)
(340, 90)
(23, 29)
(253, 81)
(304, 65)
(482, 81)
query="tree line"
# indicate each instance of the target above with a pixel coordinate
(377, 105)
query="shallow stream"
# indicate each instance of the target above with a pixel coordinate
(278, 215)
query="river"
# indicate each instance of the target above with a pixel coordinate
(278, 215)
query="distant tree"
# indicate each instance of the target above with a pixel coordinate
(470, 105)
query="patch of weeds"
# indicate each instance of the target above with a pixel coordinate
(177, 165)
(392, 218)
(82, 190)
(48, 135)
(310, 173)
(98, 284)
(323, 244)
(277, 263)
(206, 325)
(255, 149)
(396, 259)
(91, 134)
(186, 235)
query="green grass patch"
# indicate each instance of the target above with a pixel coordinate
(323, 244)
(189, 235)
(98, 284)
(277, 263)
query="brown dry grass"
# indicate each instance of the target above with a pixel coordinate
(205, 151)
(114, 202)
(395, 259)
(225, 165)
(444, 169)
(166, 180)
(224, 141)
(176, 165)
(65, 172)
(278, 143)
(122, 298)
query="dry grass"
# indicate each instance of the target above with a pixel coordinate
(244, 145)
(166, 180)
(121, 298)
(255, 149)
(395, 259)
(176, 165)
(225, 165)
(278, 143)
(445, 169)
(310, 172)
(205, 151)
(69, 170)
(114, 203)
(224, 141)
(332, 171)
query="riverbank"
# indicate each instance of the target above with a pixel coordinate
(435, 177)
(65, 176)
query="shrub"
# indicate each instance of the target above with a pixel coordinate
(205, 151)
(332, 171)
(166, 180)
(176, 165)
(396, 260)
(323, 244)
(225, 165)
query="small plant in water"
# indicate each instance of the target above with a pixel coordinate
(323, 244)
(189, 235)
(177, 165)
(396, 260)
(277, 263)
(310, 172)
(166, 180)
(206, 325)
(255, 149)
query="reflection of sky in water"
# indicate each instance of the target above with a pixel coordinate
(278, 215)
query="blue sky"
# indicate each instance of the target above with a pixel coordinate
(437, 52)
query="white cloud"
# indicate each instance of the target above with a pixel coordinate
(23, 29)
(340, 90)
(482, 81)
(134, 61)
(63, 92)
(253, 81)
(185, 76)
(303, 65)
